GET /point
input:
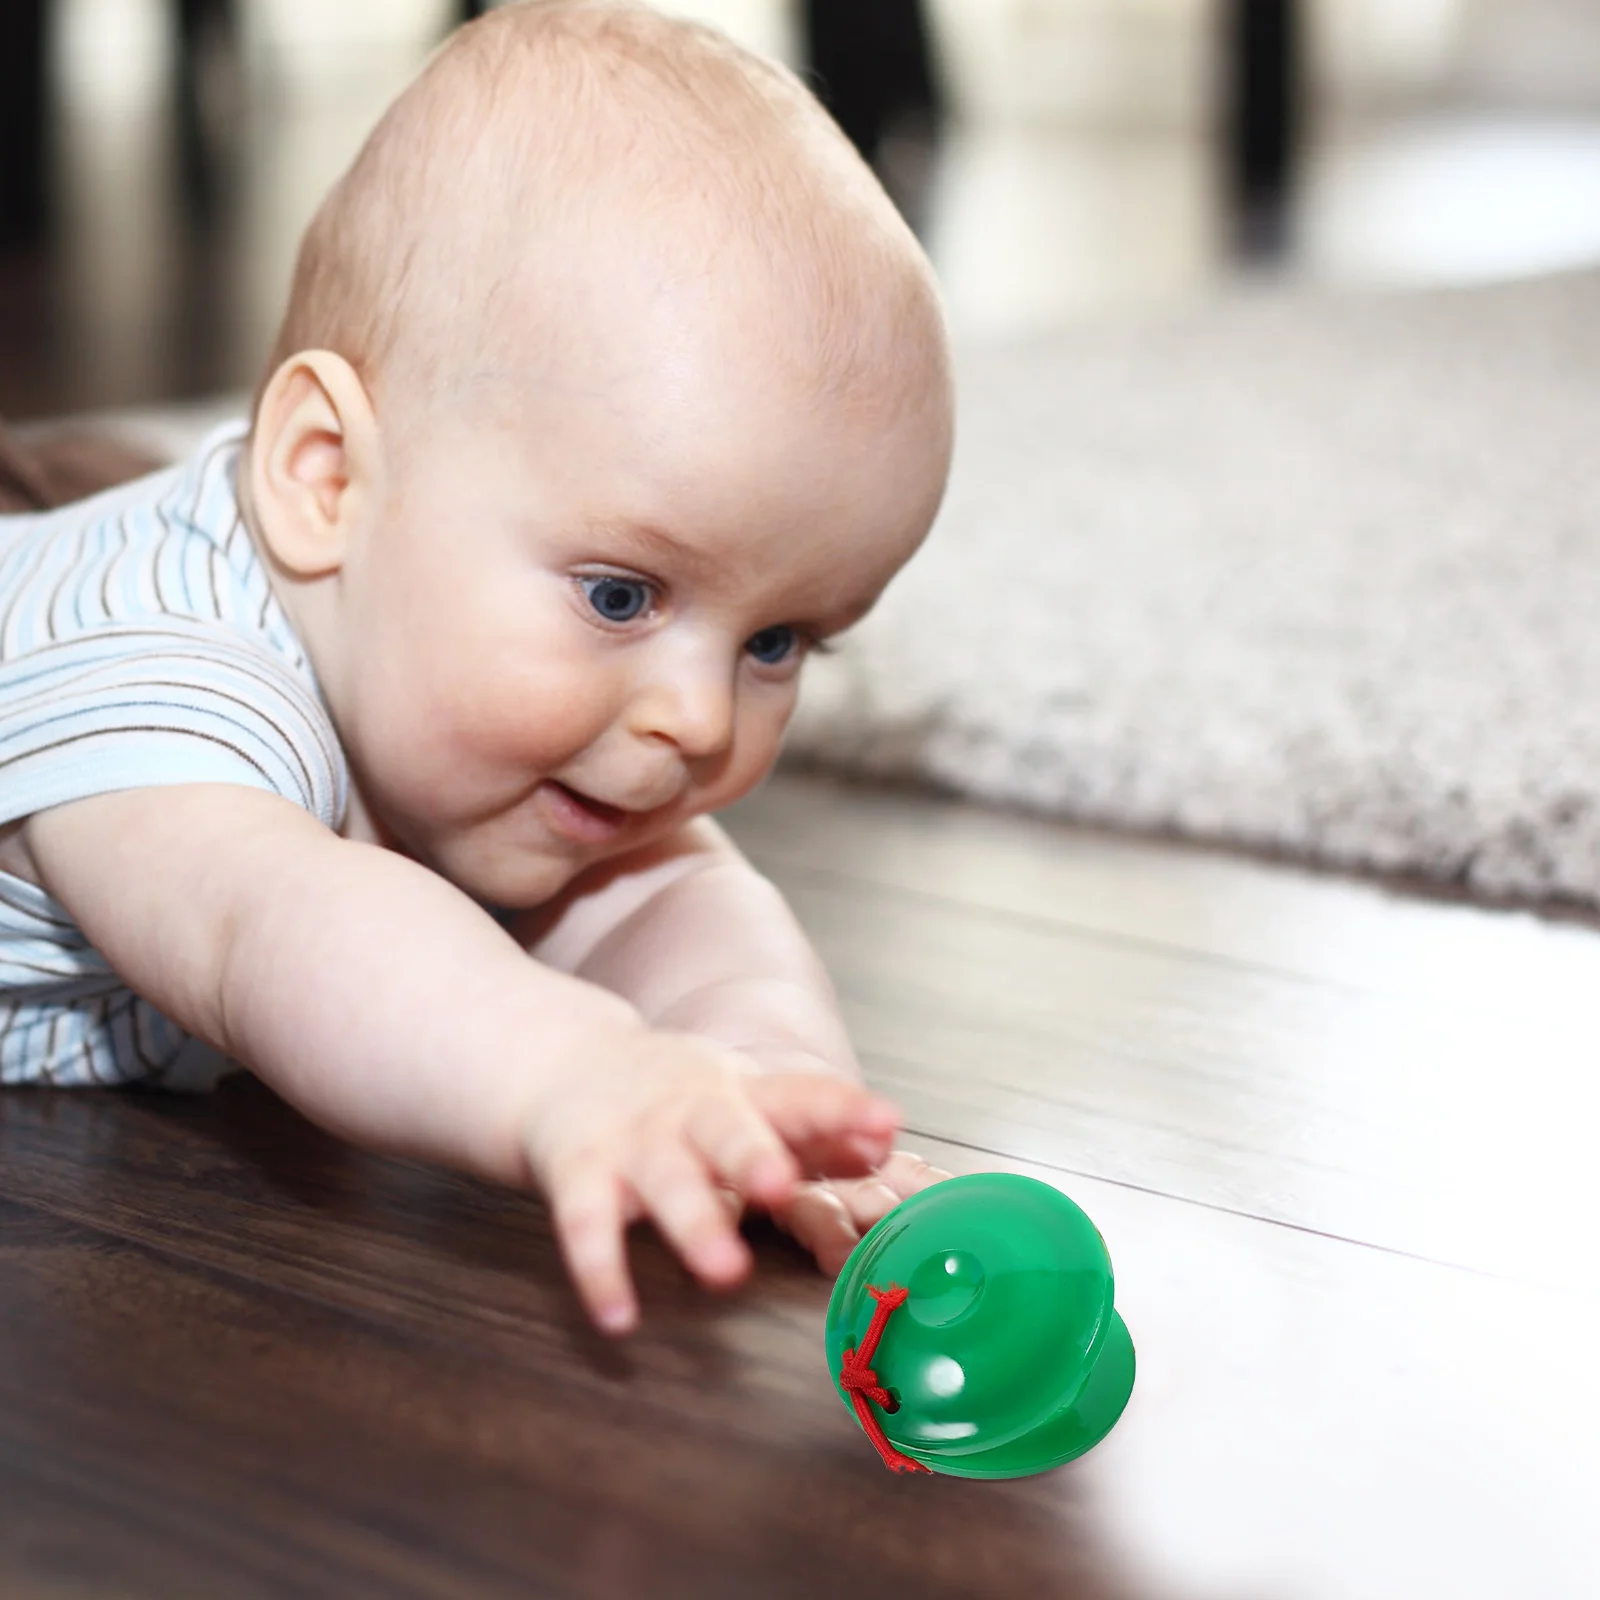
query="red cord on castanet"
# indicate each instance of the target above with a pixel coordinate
(861, 1382)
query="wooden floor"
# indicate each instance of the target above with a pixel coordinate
(1338, 1142)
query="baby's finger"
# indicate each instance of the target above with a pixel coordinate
(867, 1200)
(833, 1125)
(841, 1156)
(819, 1219)
(742, 1149)
(906, 1173)
(588, 1215)
(680, 1197)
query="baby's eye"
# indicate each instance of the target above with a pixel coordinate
(616, 599)
(773, 645)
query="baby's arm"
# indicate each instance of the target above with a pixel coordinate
(694, 937)
(394, 1011)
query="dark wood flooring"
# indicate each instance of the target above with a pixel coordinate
(237, 1359)
(1337, 1141)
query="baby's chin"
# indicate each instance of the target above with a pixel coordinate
(510, 866)
(520, 880)
(520, 884)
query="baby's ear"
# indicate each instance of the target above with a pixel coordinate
(314, 462)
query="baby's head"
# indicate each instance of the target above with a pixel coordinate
(610, 384)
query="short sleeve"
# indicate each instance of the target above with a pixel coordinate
(140, 706)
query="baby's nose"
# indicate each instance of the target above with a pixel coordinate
(691, 710)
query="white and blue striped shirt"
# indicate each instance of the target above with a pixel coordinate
(140, 645)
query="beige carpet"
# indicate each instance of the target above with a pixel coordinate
(1318, 574)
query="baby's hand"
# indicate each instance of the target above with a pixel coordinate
(829, 1216)
(656, 1125)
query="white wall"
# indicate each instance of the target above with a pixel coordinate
(1077, 62)
(1531, 53)
(113, 52)
(769, 26)
(1382, 54)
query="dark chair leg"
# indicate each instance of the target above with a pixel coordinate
(24, 123)
(1262, 123)
(202, 26)
(870, 63)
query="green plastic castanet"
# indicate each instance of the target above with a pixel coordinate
(1007, 1356)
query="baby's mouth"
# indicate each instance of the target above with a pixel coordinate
(579, 816)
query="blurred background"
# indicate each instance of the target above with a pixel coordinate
(1062, 159)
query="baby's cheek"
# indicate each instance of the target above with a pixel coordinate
(756, 748)
(725, 794)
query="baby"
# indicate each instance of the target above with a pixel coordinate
(610, 386)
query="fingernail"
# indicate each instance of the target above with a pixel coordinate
(725, 1259)
(617, 1319)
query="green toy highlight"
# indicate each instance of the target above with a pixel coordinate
(972, 1331)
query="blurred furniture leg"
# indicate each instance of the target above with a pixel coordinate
(870, 63)
(202, 25)
(1261, 47)
(24, 145)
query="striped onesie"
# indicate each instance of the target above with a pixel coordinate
(140, 644)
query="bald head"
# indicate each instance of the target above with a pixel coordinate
(554, 142)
